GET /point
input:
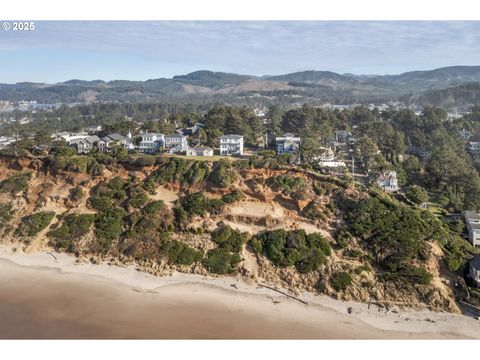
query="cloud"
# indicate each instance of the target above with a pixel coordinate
(256, 47)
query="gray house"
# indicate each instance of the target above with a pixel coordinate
(85, 145)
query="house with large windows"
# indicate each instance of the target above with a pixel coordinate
(176, 142)
(388, 181)
(151, 143)
(472, 220)
(288, 143)
(231, 145)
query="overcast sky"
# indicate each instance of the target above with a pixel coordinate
(59, 51)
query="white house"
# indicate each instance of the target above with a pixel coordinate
(388, 181)
(472, 219)
(199, 151)
(474, 146)
(288, 143)
(474, 270)
(176, 141)
(151, 142)
(231, 145)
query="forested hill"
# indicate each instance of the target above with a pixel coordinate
(458, 87)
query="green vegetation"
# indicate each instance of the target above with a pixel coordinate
(180, 253)
(341, 281)
(76, 193)
(285, 183)
(31, 225)
(229, 239)
(6, 214)
(395, 236)
(417, 194)
(108, 227)
(176, 169)
(197, 204)
(223, 174)
(73, 228)
(221, 261)
(16, 183)
(287, 248)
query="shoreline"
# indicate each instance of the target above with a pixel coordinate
(351, 319)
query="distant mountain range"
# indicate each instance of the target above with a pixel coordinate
(453, 87)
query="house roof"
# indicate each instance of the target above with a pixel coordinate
(198, 149)
(92, 139)
(177, 136)
(152, 134)
(387, 175)
(115, 137)
(232, 137)
(475, 262)
(417, 150)
(472, 215)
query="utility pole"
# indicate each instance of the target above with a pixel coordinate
(353, 167)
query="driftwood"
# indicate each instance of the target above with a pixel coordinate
(145, 291)
(284, 293)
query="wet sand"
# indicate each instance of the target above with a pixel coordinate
(38, 302)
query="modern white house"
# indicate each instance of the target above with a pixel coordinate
(231, 145)
(474, 270)
(388, 181)
(288, 143)
(151, 142)
(199, 151)
(472, 219)
(176, 141)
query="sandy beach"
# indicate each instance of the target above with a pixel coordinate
(45, 296)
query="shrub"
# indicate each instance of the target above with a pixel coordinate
(229, 239)
(16, 183)
(144, 160)
(108, 227)
(410, 273)
(220, 261)
(180, 253)
(395, 235)
(33, 224)
(6, 214)
(72, 229)
(232, 197)
(287, 248)
(198, 204)
(341, 281)
(137, 197)
(285, 183)
(310, 260)
(76, 193)
(222, 175)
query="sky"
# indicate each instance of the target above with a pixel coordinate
(57, 51)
